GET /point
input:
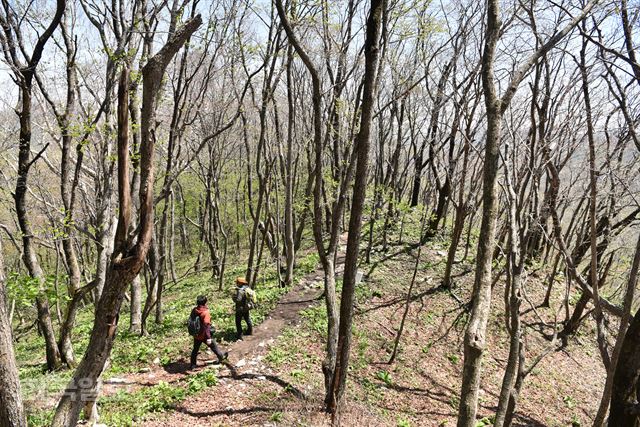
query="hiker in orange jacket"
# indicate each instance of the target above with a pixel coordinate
(204, 336)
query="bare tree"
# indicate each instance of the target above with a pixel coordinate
(362, 145)
(130, 249)
(24, 75)
(475, 336)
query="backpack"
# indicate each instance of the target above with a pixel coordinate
(246, 298)
(251, 298)
(194, 324)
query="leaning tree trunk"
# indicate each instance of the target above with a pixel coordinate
(327, 256)
(11, 410)
(128, 256)
(624, 410)
(607, 394)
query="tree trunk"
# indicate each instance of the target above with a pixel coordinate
(135, 323)
(289, 244)
(475, 336)
(624, 394)
(25, 162)
(129, 256)
(11, 409)
(331, 303)
(362, 148)
(622, 328)
(515, 266)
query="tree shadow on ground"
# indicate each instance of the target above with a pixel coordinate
(436, 391)
(287, 386)
(179, 367)
(228, 412)
(406, 249)
(519, 420)
(402, 299)
(182, 366)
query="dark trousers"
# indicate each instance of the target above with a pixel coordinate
(196, 349)
(240, 316)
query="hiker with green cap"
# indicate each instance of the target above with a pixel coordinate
(245, 301)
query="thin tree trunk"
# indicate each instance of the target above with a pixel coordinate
(11, 409)
(362, 148)
(289, 244)
(135, 319)
(475, 339)
(475, 335)
(515, 265)
(27, 73)
(593, 233)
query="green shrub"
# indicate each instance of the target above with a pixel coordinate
(385, 377)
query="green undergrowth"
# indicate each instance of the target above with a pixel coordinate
(164, 344)
(128, 408)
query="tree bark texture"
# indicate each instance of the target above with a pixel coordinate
(11, 409)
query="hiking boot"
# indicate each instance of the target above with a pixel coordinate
(192, 367)
(225, 357)
(239, 338)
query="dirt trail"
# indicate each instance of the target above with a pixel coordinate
(246, 353)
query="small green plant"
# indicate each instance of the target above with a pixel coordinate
(40, 418)
(486, 421)
(163, 396)
(425, 349)
(276, 417)
(201, 380)
(276, 356)
(298, 374)
(453, 358)
(317, 318)
(403, 422)
(429, 318)
(385, 377)
(369, 386)
(454, 402)
(569, 401)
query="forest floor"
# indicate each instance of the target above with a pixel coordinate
(277, 380)
(274, 377)
(248, 351)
